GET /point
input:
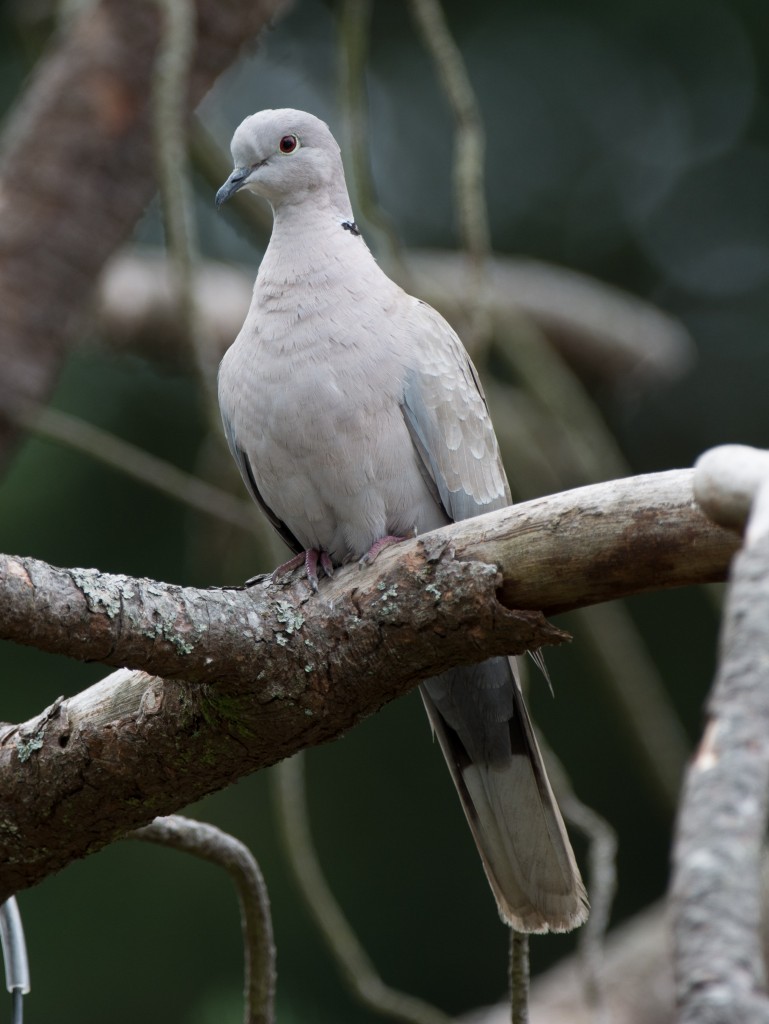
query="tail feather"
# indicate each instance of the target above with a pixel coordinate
(485, 733)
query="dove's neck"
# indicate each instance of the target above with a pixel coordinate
(315, 244)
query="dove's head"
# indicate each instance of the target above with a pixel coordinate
(285, 156)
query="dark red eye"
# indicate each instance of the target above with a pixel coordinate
(289, 143)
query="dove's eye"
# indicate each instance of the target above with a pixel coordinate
(289, 143)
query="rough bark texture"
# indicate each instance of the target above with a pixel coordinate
(251, 677)
(716, 896)
(243, 678)
(555, 553)
(233, 637)
(78, 170)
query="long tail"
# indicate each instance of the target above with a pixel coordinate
(479, 716)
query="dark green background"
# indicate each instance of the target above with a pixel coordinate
(626, 140)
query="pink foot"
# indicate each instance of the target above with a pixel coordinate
(310, 558)
(377, 546)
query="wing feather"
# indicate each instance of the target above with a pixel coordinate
(446, 413)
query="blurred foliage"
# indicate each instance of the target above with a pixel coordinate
(628, 141)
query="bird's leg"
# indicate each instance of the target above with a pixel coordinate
(289, 566)
(325, 563)
(310, 559)
(377, 546)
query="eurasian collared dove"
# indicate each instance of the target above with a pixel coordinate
(356, 418)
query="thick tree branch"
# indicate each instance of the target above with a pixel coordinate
(716, 892)
(243, 678)
(554, 553)
(600, 542)
(721, 976)
(251, 677)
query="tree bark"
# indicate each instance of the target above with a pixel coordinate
(78, 170)
(716, 901)
(229, 681)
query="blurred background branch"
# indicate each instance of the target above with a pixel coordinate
(354, 30)
(604, 333)
(135, 462)
(293, 816)
(66, 214)
(470, 141)
(211, 844)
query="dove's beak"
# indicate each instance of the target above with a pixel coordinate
(235, 181)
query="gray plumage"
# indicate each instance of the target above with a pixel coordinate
(354, 413)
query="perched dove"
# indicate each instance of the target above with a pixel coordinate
(356, 419)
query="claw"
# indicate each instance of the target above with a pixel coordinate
(310, 559)
(286, 567)
(311, 568)
(377, 546)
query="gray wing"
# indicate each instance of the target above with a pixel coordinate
(446, 413)
(250, 481)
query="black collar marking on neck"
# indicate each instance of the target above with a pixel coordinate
(351, 226)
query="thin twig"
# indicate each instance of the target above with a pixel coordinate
(352, 959)
(602, 885)
(217, 847)
(525, 446)
(519, 977)
(172, 68)
(58, 426)
(469, 154)
(602, 881)
(354, 28)
(470, 142)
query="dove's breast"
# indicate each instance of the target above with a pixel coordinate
(315, 401)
